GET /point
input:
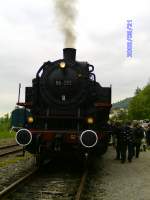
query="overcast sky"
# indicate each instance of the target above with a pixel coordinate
(29, 36)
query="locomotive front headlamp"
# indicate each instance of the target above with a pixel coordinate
(90, 120)
(62, 65)
(30, 120)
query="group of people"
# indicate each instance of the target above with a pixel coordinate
(127, 140)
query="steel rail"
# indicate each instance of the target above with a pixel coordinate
(81, 185)
(8, 146)
(10, 152)
(14, 185)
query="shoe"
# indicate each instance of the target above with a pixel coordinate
(123, 161)
(117, 159)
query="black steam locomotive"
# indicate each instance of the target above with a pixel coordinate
(65, 110)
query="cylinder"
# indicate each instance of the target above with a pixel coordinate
(88, 138)
(69, 55)
(23, 137)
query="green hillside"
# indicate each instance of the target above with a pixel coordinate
(122, 104)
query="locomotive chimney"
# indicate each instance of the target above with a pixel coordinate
(69, 55)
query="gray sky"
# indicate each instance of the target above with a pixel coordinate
(29, 36)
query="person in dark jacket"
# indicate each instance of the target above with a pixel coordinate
(117, 139)
(126, 142)
(148, 135)
(138, 135)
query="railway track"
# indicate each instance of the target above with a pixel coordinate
(81, 185)
(47, 184)
(13, 186)
(9, 149)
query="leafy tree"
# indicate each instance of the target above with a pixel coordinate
(137, 91)
(5, 122)
(139, 107)
(120, 115)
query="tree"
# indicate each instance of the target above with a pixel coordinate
(139, 106)
(119, 115)
(5, 122)
(137, 91)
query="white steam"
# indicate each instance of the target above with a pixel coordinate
(65, 11)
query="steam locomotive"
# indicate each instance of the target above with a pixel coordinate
(65, 110)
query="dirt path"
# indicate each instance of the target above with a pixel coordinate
(116, 181)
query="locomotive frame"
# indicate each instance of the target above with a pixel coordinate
(64, 110)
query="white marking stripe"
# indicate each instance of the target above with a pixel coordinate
(29, 140)
(84, 132)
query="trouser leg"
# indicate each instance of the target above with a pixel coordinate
(130, 151)
(118, 152)
(133, 149)
(148, 143)
(123, 152)
(137, 150)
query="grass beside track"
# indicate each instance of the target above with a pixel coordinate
(7, 138)
(8, 162)
(6, 135)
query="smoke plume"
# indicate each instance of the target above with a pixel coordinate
(65, 11)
